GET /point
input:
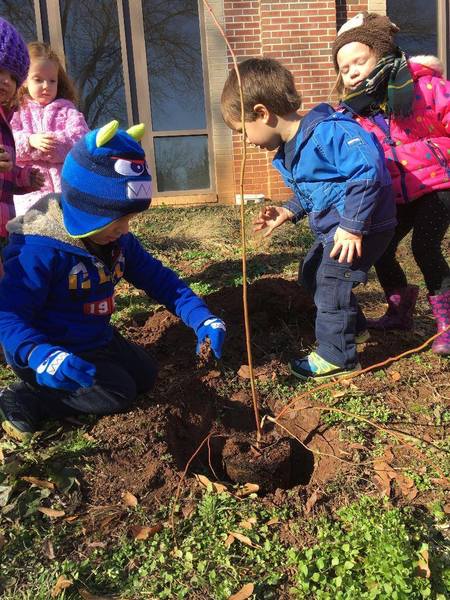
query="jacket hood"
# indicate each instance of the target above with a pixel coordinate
(45, 219)
(425, 64)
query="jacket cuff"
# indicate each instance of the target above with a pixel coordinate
(358, 227)
(294, 206)
(39, 353)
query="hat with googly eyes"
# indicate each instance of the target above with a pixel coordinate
(105, 176)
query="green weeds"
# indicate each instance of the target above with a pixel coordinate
(371, 552)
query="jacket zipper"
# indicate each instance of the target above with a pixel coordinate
(439, 155)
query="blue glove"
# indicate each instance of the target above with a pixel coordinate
(214, 329)
(59, 369)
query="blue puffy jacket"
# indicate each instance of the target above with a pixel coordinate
(338, 175)
(54, 291)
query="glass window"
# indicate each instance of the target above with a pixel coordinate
(93, 58)
(22, 16)
(418, 27)
(174, 60)
(182, 163)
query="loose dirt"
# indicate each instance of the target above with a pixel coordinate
(146, 450)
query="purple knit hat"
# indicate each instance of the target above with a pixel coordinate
(14, 55)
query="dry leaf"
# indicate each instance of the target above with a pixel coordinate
(423, 566)
(245, 592)
(311, 502)
(338, 393)
(230, 539)
(248, 523)
(129, 499)
(273, 521)
(48, 549)
(244, 539)
(446, 508)
(142, 532)
(247, 489)
(388, 455)
(97, 545)
(407, 487)
(51, 512)
(188, 510)
(47, 485)
(205, 482)
(383, 476)
(443, 482)
(61, 584)
(395, 376)
(244, 372)
(2, 456)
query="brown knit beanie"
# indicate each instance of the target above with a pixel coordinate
(371, 29)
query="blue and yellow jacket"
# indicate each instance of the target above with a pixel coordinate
(338, 175)
(54, 291)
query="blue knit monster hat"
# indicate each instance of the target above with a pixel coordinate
(104, 177)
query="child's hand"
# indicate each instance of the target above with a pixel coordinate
(346, 244)
(5, 160)
(59, 369)
(214, 329)
(36, 179)
(271, 217)
(45, 142)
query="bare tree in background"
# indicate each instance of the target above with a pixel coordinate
(21, 15)
(93, 57)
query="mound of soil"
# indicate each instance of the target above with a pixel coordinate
(145, 451)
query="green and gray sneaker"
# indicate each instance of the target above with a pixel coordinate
(362, 337)
(315, 367)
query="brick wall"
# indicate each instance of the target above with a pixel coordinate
(300, 34)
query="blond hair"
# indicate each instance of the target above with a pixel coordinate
(66, 87)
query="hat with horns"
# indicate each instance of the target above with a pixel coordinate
(105, 176)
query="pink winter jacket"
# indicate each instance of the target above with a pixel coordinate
(418, 147)
(60, 118)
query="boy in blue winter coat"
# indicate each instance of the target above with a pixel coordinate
(64, 258)
(338, 175)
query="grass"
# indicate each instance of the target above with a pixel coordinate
(352, 545)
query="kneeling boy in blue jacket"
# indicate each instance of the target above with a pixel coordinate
(338, 175)
(64, 259)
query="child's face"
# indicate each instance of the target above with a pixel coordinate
(8, 88)
(261, 132)
(42, 81)
(113, 231)
(355, 61)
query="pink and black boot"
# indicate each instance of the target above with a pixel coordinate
(440, 305)
(399, 314)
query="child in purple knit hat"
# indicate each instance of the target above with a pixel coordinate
(14, 63)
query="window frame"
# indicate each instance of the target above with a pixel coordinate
(137, 87)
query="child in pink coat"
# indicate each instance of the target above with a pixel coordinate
(406, 104)
(14, 62)
(47, 123)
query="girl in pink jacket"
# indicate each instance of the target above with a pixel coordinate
(47, 123)
(406, 105)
